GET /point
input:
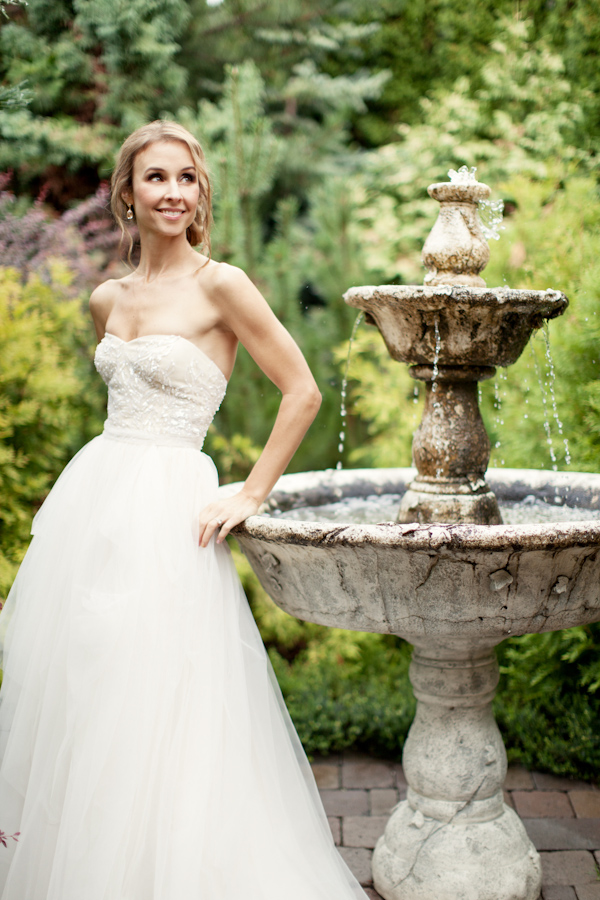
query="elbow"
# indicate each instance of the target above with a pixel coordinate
(314, 399)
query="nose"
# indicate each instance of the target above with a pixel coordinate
(173, 191)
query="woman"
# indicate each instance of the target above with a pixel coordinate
(146, 752)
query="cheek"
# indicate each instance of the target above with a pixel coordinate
(145, 194)
(193, 195)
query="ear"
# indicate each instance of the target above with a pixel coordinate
(127, 197)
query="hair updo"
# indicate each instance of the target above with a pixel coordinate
(122, 178)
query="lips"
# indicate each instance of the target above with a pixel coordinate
(171, 213)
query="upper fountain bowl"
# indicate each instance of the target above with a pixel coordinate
(477, 326)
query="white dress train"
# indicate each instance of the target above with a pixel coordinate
(146, 753)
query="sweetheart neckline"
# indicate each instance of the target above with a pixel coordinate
(179, 337)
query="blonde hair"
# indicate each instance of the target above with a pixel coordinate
(122, 179)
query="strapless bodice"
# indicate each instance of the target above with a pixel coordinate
(161, 387)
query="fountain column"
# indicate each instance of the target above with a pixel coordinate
(451, 451)
(453, 837)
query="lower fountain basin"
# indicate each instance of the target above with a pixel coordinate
(459, 582)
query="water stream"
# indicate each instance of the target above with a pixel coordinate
(344, 391)
(540, 378)
(551, 382)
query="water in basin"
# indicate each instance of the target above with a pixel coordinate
(384, 508)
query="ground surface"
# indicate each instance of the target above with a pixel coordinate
(561, 816)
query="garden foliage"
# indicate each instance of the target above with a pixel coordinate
(47, 405)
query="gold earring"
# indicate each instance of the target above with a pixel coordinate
(129, 213)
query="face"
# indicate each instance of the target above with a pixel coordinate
(165, 188)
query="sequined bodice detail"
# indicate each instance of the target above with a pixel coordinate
(160, 387)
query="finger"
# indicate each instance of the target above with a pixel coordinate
(213, 525)
(224, 531)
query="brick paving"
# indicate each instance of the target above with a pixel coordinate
(562, 818)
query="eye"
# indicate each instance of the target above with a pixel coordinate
(189, 177)
(153, 176)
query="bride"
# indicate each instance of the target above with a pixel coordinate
(145, 750)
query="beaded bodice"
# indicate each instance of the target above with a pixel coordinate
(160, 387)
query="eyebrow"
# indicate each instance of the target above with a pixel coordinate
(160, 169)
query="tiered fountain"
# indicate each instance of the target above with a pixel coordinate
(447, 576)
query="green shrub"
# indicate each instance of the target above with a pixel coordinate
(49, 405)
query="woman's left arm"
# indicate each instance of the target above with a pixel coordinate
(245, 311)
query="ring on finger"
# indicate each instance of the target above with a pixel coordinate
(219, 522)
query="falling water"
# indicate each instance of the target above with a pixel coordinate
(434, 385)
(436, 353)
(551, 382)
(490, 211)
(342, 434)
(499, 397)
(416, 394)
(540, 378)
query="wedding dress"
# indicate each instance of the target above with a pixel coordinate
(146, 752)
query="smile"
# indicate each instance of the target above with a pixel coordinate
(171, 213)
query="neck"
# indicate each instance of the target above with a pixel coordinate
(164, 257)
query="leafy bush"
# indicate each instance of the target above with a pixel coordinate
(49, 404)
(548, 704)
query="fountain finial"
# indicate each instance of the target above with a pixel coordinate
(456, 250)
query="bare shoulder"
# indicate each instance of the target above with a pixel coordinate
(223, 281)
(102, 300)
(103, 297)
(235, 299)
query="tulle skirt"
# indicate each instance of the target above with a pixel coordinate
(146, 751)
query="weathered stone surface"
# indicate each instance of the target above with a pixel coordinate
(416, 858)
(429, 580)
(456, 251)
(478, 326)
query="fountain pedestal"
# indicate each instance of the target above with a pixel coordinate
(451, 451)
(454, 837)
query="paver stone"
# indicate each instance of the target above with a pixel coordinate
(573, 867)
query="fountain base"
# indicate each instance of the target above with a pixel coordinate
(454, 837)
(419, 858)
(459, 501)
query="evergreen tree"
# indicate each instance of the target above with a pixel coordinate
(96, 69)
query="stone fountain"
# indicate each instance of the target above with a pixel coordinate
(447, 576)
